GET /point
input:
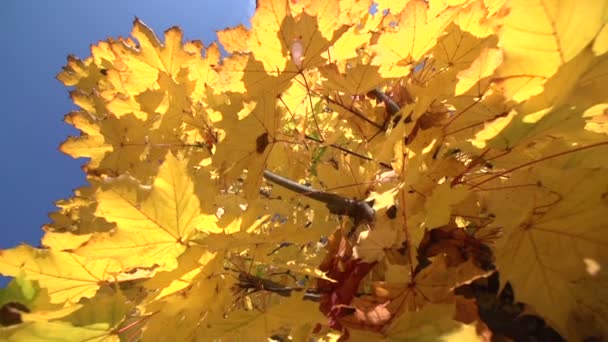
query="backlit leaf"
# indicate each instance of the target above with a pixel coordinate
(159, 225)
(475, 130)
(66, 276)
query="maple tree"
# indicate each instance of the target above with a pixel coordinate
(475, 130)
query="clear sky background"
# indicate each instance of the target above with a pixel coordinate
(35, 38)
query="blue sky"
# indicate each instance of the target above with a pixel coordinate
(36, 38)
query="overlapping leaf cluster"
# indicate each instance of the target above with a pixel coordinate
(476, 129)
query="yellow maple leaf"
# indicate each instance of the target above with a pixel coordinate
(417, 33)
(67, 276)
(477, 116)
(254, 131)
(439, 205)
(158, 226)
(550, 232)
(477, 18)
(599, 118)
(433, 322)
(75, 221)
(290, 312)
(538, 38)
(395, 6)
(346, 46)
(95, 320)
(600, 45)
(27, 293)
(168, 57)
(193, 263)
(351, 11)
(484, 66)
(355, 81)
(204, 284)
(372, 243)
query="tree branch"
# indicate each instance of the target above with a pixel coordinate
(359, 211)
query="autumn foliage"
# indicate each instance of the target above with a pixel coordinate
(477, 131)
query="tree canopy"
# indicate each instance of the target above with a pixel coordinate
(433, 144)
